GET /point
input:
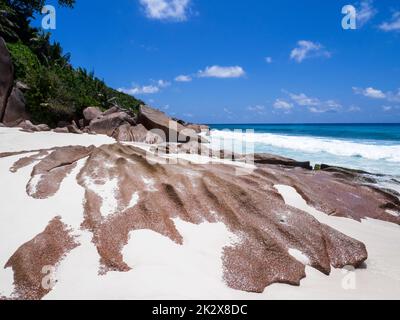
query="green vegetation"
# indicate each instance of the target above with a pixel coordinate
(57, 91)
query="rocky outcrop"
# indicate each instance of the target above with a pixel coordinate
(109, 124)
(6, 77)
(48, 174)
(73, 128)
(264, 158)
(198, 128)
(338, 194)
(35, 256)
(61, 130)
(12, 101)
(172, 131)
(92, 113)
(15, 110)
(28, 126)
(128, 133)
(250, 207)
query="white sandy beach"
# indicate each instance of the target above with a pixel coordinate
(162, 269)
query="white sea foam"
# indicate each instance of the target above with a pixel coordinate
(316, 145)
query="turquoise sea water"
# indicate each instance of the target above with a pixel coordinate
(371, 147)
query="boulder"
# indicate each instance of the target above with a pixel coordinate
(28, 126)
(141, 134)
(43, 127)
(111, 111)
(123, 133)
(174, 131)
(92, 113)
(6, 76)
(137, 133)
(15, 110)
(61, 130)
(198, 128)
(73, 128)
(110, 123)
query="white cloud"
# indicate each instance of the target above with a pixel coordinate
(390, 108)
(393, 25)
(303, 100)
(140, 90)
(354, 109)
(222, 72)
(315, 105)
(163, 83)
(365, 12)
(326, 106)
(149, 89)
(370, 92)
(387, 108)
(283, 105)
(269, 60)
(226, 110)
(183, 78)
(308, 49)
(176, 10)
(258, 109)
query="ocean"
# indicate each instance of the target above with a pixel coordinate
(373, 148)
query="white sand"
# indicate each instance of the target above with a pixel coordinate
(162, 269)
(13, 139)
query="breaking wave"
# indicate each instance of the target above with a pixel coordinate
(345, 148)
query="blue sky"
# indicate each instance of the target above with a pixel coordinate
(243, 61)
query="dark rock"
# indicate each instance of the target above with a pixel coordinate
(330, 168)
(110, 123)
(6, 77)
(15, 110)
(63, 124)
(82, 123)
(92, 113)
(184, 123)
(264, 158)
